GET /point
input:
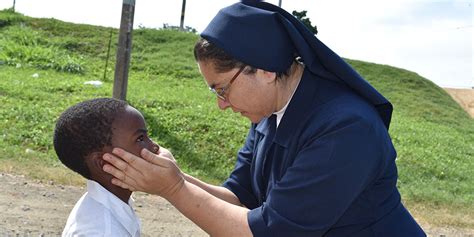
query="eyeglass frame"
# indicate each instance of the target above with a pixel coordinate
(220, 92)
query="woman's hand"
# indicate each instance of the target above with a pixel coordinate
(159, 174)
(155, 173)
(166, 153)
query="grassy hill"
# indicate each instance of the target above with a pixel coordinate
(45, 62)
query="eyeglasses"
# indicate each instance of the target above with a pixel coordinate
(220, 92)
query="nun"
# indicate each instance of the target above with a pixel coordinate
(318, 159)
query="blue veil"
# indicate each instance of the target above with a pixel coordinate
(265, 36)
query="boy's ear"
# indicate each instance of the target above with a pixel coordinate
(95, 161)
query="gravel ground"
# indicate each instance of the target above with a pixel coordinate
(35, 208)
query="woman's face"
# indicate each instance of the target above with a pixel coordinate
(130, 133)
(251, 95)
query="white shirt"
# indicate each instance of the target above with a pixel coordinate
(101, 213)
(282, 111)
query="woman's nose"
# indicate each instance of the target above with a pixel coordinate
(222, 104)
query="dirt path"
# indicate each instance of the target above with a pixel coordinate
(464, 97)
(34, 208)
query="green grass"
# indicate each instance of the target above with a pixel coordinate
(432, 134)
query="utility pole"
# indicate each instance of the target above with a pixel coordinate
(183, 9)
(279, 3)
(124, 49)
(14, 5)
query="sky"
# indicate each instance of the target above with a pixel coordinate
(433, 38)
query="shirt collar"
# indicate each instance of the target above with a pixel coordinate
(281, 112)
(298, 109)
(123, 212)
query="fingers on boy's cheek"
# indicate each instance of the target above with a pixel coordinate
(118, 151)
(143, 152)
(104, 163)
(107, 168)
(107, 158)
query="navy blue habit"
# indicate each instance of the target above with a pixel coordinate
(329, 168)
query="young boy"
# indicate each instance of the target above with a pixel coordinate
(83, 133)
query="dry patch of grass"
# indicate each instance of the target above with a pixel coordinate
(437, 220)
(35, 170)
(464, 97)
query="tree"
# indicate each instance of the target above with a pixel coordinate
(305, 20)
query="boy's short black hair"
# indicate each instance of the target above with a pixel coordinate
(85, 128)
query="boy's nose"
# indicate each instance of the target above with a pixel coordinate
(154, 147)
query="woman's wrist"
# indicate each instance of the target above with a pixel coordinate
(214, 215)
(173, 191)
(187, 177)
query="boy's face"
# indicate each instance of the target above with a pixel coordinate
(130, 133)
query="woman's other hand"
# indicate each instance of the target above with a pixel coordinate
(155, 173)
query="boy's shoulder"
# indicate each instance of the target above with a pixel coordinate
(100, 212)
